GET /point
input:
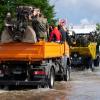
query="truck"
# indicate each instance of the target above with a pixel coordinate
(37, 63)
(83, 53)
(33, 64)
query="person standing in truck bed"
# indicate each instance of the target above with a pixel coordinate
(62, 29)
(39, 24)
(7, 32)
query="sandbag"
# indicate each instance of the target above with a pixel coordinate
(5, 37)
(29, 35)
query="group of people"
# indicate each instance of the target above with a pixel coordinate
(39, 24)
(82, 39)
(58, 33)
(45, 31)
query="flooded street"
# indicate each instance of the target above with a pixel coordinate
(61, 91)
(84, 85)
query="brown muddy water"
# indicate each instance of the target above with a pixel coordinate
(84, 85)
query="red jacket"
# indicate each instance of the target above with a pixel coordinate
(55, 33)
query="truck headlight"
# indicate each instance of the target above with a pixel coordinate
(71, 58)
(80, 58)
(75, 55)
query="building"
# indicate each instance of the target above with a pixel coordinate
(84, 29)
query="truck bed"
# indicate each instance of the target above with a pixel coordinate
(90, 50)
(33, 52)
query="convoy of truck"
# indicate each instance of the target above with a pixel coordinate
(41, 63)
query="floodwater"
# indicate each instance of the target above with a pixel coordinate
(60, 92)
(84, 85)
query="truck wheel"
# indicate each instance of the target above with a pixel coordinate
(2, 87)
(51, 78)
(67, 74)
(91, 65)
(96, 62)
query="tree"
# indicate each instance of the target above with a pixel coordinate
(10, 5)
(98, 35)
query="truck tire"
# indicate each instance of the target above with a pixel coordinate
(51, 78)
(67, 74)
(91, 65)
(96, 61)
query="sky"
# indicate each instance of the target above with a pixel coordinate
(78, 11)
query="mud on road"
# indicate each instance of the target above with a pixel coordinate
(84, 85)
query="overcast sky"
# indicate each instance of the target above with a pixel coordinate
(78, 11)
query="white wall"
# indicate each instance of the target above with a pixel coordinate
(83, 28)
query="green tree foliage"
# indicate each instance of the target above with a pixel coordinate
(10, 5)
(98, 27)
(98, 33)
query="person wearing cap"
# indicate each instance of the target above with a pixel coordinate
(8, 22)
(8, 19)
(7, 32)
